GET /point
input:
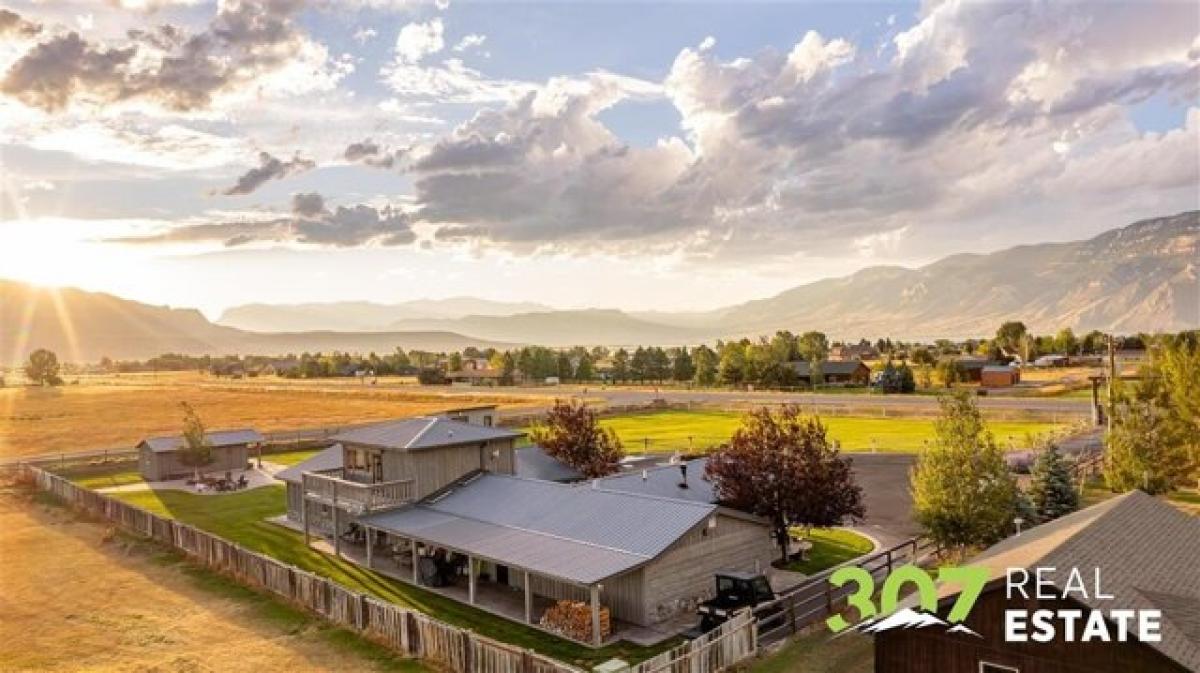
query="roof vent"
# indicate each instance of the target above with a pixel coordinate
(595, 483)
(683, 475)
(645, 475)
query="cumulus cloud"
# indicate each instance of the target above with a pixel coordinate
(269, 168)
(310, 221)
(371, 153)
(470, 41)
(980, 112)
(14, 24)
(418, 40)
(246, 43)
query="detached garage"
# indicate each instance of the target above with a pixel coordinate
(158, 457)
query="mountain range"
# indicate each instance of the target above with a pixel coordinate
(1142, 277)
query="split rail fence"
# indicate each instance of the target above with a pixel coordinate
(408, 632)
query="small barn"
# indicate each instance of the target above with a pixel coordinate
(158, 457)
(999, 376)
(1144, 551)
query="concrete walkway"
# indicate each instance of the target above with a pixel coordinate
(257, 479)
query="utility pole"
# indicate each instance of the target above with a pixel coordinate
(1112, 375)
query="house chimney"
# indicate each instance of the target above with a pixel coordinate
(645, 475)
(683, 474)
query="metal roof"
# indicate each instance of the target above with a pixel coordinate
(1146, 550)
(423, 432)
(843, 367)
(664, 481)
(328, 459)
(216, 438)
(579, 534)
(534, 463)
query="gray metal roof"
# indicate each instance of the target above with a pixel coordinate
(579, 534)
(323, 460)
(534, 463)
(216, 438)
(1146, 551)
(422, 432)
(663, 481)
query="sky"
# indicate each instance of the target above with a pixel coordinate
(638, 155)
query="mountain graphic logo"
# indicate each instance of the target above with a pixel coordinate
(907, 618)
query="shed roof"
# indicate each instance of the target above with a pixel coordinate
(1146, 551)
(581, 535)
(217, 438)
(534, 463)
(999, 369)
(328, 459)
(422, 432)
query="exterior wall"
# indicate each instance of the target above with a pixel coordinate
(164, 465)
(621, 595)
(485, 416)
(435, 468)
(683, 575)
(999, 379)
(932, 650)
(295, 498)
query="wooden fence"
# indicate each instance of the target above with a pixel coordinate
(816, 598)
(730, 643)
(406, 631)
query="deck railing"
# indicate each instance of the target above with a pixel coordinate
(331, 488)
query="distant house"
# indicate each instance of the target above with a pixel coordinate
(971, 367)
(282, 368)
(1145, 552)
(854, 352)
(476, 377)
(158, 457)
(1051, 361)
(999, 376)
(834, 371)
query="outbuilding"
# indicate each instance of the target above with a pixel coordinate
(159, 460)
(999, 376)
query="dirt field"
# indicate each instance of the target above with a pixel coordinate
(95, 415)
(74, 599)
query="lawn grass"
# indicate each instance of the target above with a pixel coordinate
(666, 431)
(103, 476)
(289, 458)
(240, 517)
(831, 546)
(820, 652)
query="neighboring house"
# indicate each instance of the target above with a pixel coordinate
(834, 371)
(971, 367)
(854, 352)
(534, 463)
(158, 457)
(1051, 361)
(1145, 551)
(476, 377)
(999, 376)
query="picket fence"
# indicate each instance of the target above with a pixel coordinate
(408, 632)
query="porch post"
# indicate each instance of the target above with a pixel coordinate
(337, 530)
(471, 580)
(412, 541)
(304, 506)
(528, 600)
(596, 639)
(370, 534)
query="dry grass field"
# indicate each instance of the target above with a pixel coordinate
(76, 598)
(99, 414)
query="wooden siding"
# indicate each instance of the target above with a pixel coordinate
(621, 595)
(164, 465)
(432, 469)
(683, 575)
(922, 650)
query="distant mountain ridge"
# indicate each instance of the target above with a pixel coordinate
(1142, 277)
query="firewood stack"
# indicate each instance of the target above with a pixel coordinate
(573, 619)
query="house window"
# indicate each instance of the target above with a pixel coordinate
(989, 667)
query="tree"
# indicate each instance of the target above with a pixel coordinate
(584, 371)
(922, 356)
(782, 466)
(949, 371)
(639, 364)
(508, 368)
(196, 451)
(1145, 449)
(813, 346)
(456, 362)
(620, 366)
(705, 360)
(1065, 342)
(1010, 334)
(43, 367)
(682, 368)
(963, 492)
(565, 371)
(1052, 491)
(896, 379)
(571, 434)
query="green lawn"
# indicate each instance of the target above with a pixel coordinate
(289, 457)
(820, 652)
(240, 517)
(831, 546)
(662, 431)
(102, 476)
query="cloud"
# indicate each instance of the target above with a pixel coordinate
(418, 40)
(15, 25)
(309, 222)
(372, 154)
(269, 168)
(245, 44)
(980, 114)
(470, 41)
(365, 35)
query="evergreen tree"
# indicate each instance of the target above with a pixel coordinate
(683, 369)
(620, 368)
(584, 371)
(1052, 490)
(963, 492)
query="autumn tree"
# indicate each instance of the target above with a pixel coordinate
(572, 434)
(196, 451)
(782, 466)
(964, 495)
(42, 368)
